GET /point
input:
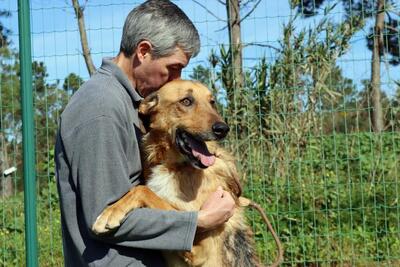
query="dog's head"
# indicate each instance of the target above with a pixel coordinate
(185, 112)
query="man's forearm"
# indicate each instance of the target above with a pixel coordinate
(155, 229)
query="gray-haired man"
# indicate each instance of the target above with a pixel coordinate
(97, 152)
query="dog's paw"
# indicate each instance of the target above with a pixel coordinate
(108, 220)
(188, 257)
(193, 258)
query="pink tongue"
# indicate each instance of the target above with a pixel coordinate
(200, 151)
(206, 160)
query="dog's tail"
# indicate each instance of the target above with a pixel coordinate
(244, 202)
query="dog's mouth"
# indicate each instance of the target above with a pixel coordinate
(195, 149)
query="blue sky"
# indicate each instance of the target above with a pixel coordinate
(55, 36)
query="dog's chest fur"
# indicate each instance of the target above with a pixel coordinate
(163, 183)
(186, 188)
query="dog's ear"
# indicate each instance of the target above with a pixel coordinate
(234, 184)
(148, 104)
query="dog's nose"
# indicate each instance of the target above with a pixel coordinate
(220, 129)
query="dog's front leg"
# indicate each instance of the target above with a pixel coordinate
(138, 197)
(202, 248)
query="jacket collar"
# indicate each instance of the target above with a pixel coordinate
(108, 66)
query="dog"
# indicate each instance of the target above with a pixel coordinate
(183, 165)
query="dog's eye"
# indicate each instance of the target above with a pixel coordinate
(212, 102)
(187, 101)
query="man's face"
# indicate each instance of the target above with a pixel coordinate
(154, 73)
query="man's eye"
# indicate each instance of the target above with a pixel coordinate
(187, 101)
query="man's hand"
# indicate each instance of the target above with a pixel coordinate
(216, 210)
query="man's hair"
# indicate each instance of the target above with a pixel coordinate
(164, 25)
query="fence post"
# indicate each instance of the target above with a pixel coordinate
(28, 133)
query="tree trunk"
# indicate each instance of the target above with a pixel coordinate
(233, 11)
(377, 113)
(84, 42)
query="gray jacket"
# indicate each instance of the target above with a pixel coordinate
(97, 162)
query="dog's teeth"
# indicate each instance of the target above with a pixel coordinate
(185, 140)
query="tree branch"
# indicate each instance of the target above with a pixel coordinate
(84, 42)
(221, 2)
(209, 11)
(251, 11)
(263, 45)
(392, 28)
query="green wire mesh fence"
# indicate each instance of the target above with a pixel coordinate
(312, 94)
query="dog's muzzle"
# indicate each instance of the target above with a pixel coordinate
(194, 149)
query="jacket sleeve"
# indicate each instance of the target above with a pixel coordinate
(104, 175)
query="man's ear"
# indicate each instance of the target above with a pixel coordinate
(148, 104)
(143, 50)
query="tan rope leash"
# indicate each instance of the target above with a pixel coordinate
(244, 202)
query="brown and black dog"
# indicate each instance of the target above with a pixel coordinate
(183, 165)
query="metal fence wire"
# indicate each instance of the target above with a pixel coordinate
(310, 88)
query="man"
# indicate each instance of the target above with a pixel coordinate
(97, 152)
